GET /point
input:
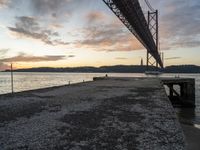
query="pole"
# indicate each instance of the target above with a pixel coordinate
(147, 65)
(11, 71)
(163, 58)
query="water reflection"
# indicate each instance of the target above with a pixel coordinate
(28, 81)
(189, 116)
(186, 115)
(197, 126)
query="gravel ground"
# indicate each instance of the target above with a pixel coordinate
(114, 113)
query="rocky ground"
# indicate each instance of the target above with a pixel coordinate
(115, 113)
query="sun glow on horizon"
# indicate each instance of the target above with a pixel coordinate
(35, 35)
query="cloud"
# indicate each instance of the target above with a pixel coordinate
(28, 27)
(3, 52)
(71, 56)
(108, 37)
(120, 58)
(55, 26)
(4, 66)
(57, 7)
(95, 16)
(180, 23)
(26, 58)
(48, 6)
(171, 58)
(4, 3)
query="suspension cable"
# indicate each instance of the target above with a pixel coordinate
(149, 5)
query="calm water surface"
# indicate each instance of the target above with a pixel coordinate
(29, 81)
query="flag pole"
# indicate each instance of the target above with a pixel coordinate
(11, 71)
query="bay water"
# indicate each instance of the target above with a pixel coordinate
(24, 81)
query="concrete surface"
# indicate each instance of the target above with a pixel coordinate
(192, 136)
(110, 114)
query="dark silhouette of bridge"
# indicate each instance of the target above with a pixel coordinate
(145, 30)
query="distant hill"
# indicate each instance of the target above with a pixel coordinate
(182, 69)
(117, 69)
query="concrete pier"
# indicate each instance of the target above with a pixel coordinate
(181, 91)
(108, 113)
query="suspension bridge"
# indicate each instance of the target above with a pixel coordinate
(108, 113)
(145, 30)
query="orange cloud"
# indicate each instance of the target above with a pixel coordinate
(4, 3)
(25, 58)
(95, 16)
(112, 37)
(4, 66)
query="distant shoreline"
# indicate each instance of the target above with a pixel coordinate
(97, 72)
(115, 69)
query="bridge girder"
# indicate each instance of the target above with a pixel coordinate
(131, 15)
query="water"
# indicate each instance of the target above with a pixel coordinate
(190, 116)
(24, 81)
(30, 81)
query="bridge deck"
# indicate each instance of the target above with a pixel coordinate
(132, 16)
(113, 113)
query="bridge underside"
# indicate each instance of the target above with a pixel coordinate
(130, 13)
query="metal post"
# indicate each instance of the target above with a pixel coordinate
(147, 60)
(163, 58)
(171, 90)
(11, 71)
(148, 18)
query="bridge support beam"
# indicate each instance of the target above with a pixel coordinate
(181, 91)
(153, 27)
(132, 16)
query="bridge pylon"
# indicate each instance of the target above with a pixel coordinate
(132, 16)
(153, 27)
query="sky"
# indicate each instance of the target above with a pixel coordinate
(72, 33)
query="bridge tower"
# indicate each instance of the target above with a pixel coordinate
(145, 30)
(153, 27)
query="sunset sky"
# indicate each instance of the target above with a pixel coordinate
(70, 33)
